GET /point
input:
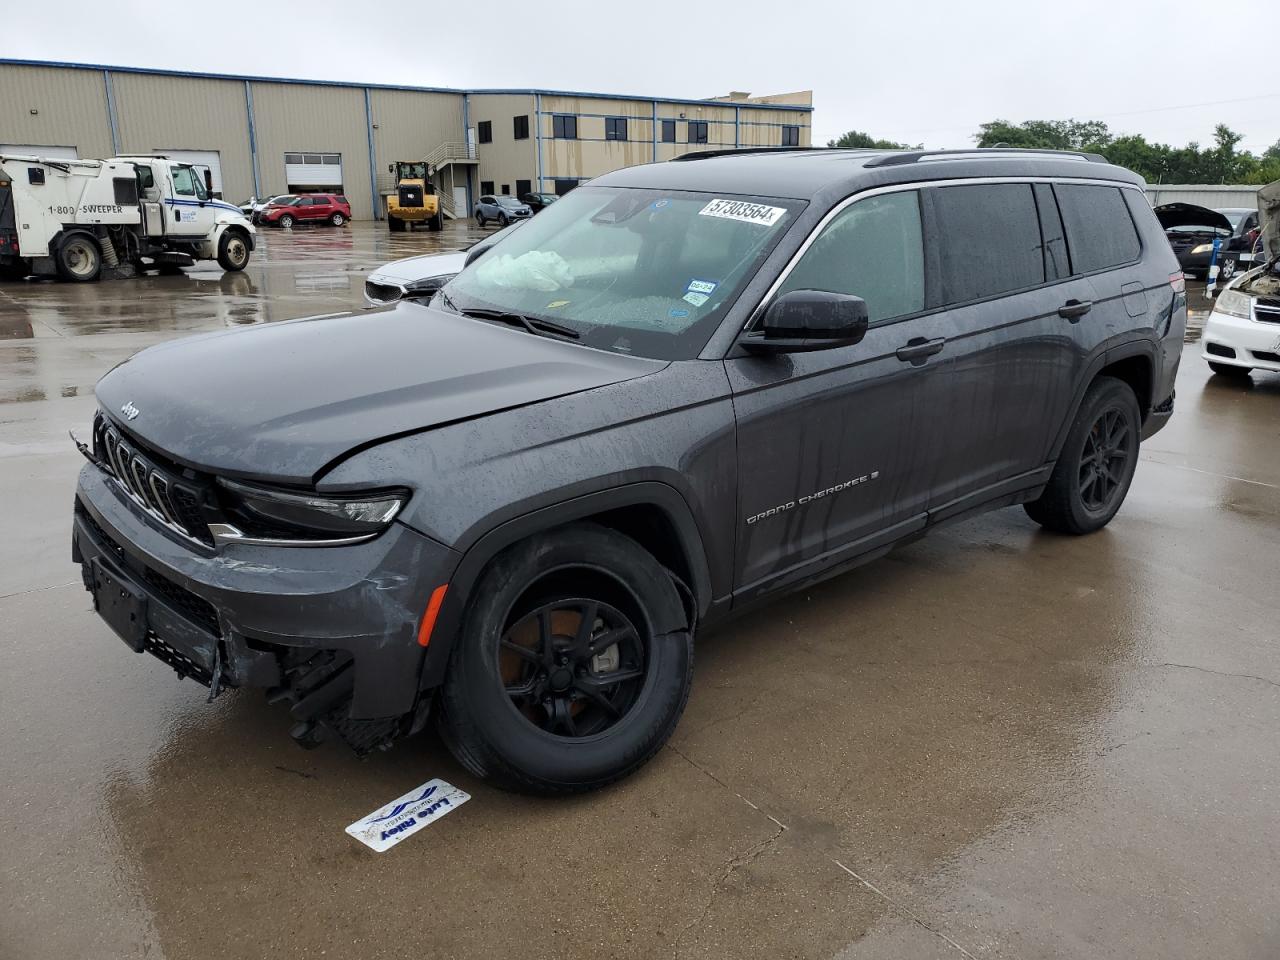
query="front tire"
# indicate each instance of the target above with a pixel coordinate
(79, 258)
(1097, 462)
(1229, 370)
(572, 666)
(285, 222)
(480, 220)
(504, 220)
(395, 224)
(233, 251)
(436, 223)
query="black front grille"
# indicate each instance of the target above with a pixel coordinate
(1267, 309)
(1266, 357)
(410, 196)
(382, 292)
(171, 499)
(1218, 350)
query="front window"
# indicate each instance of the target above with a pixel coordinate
(184, 182)
(645, 272)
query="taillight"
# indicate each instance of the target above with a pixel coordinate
(1178, 282)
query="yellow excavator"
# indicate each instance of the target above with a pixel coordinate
(414, 200)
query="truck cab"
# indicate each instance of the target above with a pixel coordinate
(72, 218)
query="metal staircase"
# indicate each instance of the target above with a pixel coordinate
(439, 158)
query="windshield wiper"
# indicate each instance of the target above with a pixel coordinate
(534, 325)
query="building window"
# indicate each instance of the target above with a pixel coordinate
(521, 125)
(524, 188)
(615, 128)
(668, 131)
(506, 189)
(486, 186)
(564, 127)
(485, 130)
(697, 131)
(790, 136)
(564, 186)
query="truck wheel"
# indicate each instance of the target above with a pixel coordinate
(395, 224)
(573, 664)
(436, 223)
(79, 258)
(17, 270)
(233, 251)
(337, 219)
(285, 222)
(1096, 465)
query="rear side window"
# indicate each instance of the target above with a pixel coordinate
(1100, 231)
(872, 249)
(988, 240)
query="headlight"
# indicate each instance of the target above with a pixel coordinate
(1234, 304)
(1203, 248)
(264, 512)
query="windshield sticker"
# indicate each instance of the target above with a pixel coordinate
(406, 815)
(659, 204)
(746, 212)
(557, 304)
(697, 299)
(700, 286)
(678, 314)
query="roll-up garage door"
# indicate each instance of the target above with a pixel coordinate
(313, 172)
(34, 150)
(206, 161)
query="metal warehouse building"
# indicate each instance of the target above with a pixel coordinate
(262, 135)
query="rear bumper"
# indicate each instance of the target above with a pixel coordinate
(332, 629)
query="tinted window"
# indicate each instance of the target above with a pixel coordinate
(988, 240)
(564, 127)
(615, 128)
(520, 126)
(790, 136)
(523, 187)
(486, 186)
(484, 131)
(1100, 231)
(697, 131)
(564, 186)
(183, 183)
(668, 131)
(873, 250)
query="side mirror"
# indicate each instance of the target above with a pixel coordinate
(478, 250)
(804, 320)
(391, 168)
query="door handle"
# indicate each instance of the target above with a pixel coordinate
(1073, 310)
(917, 350)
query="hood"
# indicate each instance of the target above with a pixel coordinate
(1173, 215)
(1269, 218)
(283, 401)
(421, 268)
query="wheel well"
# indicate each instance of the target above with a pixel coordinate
(1136, 372)
(650, 526)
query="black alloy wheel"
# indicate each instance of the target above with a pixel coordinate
(1104, 460)
(572, 667)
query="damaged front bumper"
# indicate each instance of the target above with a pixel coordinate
(332, 630)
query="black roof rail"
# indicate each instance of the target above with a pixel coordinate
(739, 151)
(914, 156)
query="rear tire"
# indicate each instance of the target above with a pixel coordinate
(233, 251)
(436, 223)
(395, 224)
(79, 258)
(1097, 462)
(15, 271)
(337, 219)
(1229, 370)
(480, 220)
(524, 704)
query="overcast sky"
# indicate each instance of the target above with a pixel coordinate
(926, 72)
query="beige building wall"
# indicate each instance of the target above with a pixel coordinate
(409, 124)
(155, 114)
(298, 118)
(70, 109)
(505, 160)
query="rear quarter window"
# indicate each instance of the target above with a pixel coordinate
(1100, 230)
(988, 240)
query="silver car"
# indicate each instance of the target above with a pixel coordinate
(424, 275)
(502, 208)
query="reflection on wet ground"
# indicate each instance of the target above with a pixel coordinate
(992, 743)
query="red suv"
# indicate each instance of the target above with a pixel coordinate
(311, 207)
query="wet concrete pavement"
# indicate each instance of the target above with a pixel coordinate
(993, 743)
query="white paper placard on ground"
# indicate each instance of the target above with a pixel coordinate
(406, 815)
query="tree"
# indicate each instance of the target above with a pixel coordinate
(1045, 134)
(857, 139)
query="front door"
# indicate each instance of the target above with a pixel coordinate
(459, 200)
(190, 212)
(837, 448)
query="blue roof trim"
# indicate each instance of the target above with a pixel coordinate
(351, 84)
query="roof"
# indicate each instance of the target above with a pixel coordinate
(807, 173)
(532, 91)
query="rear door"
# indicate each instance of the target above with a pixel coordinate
(1005, 285)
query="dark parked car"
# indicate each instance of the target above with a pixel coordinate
(682, 389)
(1192, 230)
(502, 209)
(539, 201)
(307, 208)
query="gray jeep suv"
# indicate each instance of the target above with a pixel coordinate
(679, 390)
